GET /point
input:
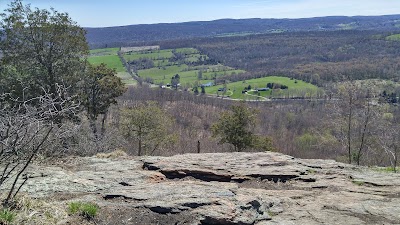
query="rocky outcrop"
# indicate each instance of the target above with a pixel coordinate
(227, 188)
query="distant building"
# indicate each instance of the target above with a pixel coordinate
(209, 84)
(138, 49)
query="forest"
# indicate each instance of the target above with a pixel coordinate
(117, 36)
(315, 57)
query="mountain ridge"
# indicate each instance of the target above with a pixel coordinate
(221, 27)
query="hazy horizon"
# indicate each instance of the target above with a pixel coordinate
(90, 13)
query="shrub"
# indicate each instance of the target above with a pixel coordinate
(6, 217)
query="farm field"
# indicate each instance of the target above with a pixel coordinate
(156, 54)
(104, 51)
(394, 37)
(190, 63)
(195, 69)
(109, 57)
(296, 88)
(112, 61)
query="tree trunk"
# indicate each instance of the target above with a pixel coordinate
(364, 132)
(140, 147)
(93, 126)
(198, 146)
(349, 127)
(103, 121)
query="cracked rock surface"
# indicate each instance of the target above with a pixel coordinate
(225, 188)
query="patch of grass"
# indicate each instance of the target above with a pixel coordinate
(156, 54)
(347, 26)
(74, 207)
(126, 78)
(87, 210)
(112, 155)
(359, 183)
(161, 74)
(271, 214)
(7, 217)
(188, 51)
(387, 169)
(104, 51)
(394, 37)
(28, 210)
(311, 171)
(297, 88)
(112, 61)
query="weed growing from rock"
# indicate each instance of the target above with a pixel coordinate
(7, 217)
(87, 210)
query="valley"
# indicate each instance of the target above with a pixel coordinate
(196, 71)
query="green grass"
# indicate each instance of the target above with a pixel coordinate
(87, 210)
(163, 69)
(394, 37)
(126, 78)
(295, 89)
(156, 54)
(194, 58)
(112, 61)
(161, 74)
(74, 207)
(7, 217)
(359, 183)
(387, 169)
(347, 26)
(188, 51)
(104, 51)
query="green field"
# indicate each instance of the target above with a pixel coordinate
(156, 54)
(187, 50)
(296, 88)
(165, 67)
(112, 61)
(394, 37)
(347, 26)
(104, 51)
(126, 78)
(109, 57)
(163, 76)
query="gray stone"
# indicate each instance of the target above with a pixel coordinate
(229, 188)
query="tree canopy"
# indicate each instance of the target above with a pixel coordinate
(234, 127)
(47, 48)
(149, 125)
(99, 88)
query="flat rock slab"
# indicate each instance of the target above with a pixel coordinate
(229, 188)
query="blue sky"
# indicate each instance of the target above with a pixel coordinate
(103, 13)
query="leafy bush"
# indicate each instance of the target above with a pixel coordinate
(6, 217)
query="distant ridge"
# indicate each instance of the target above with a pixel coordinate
(232, 27)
